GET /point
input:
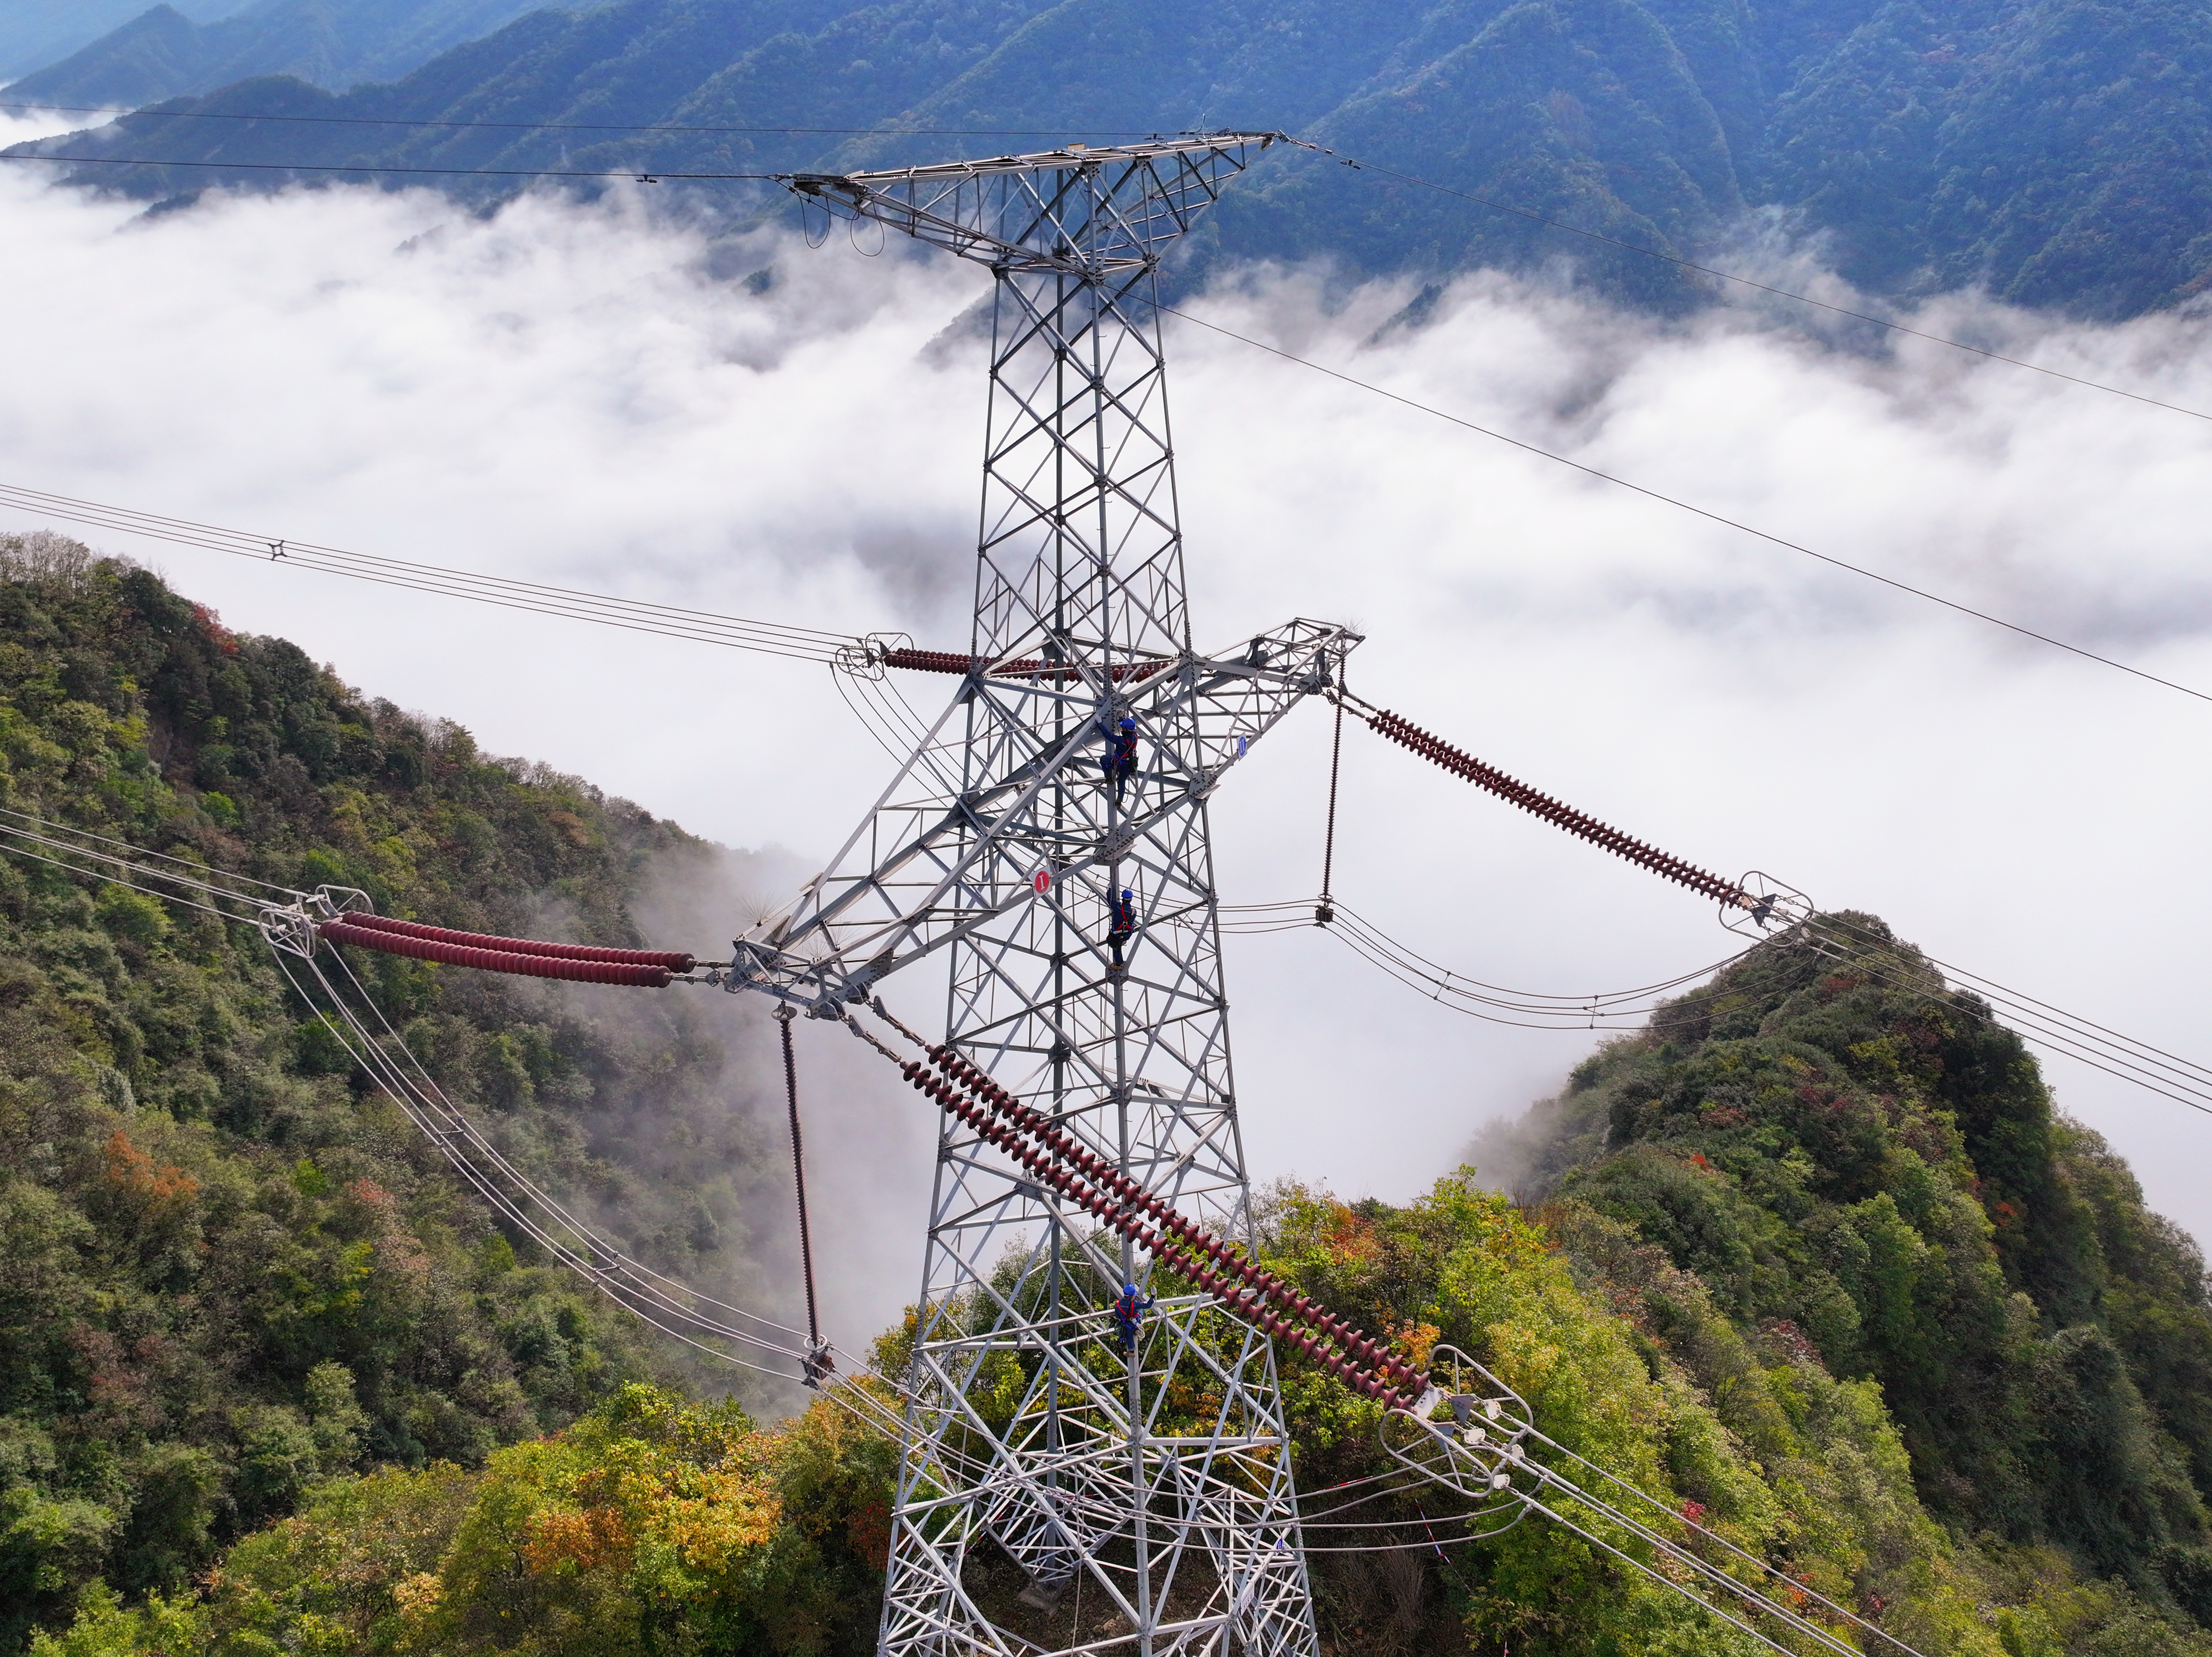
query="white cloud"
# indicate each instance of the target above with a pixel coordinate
(575, 394)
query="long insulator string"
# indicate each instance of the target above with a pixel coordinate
(1439, 752)
(948, 661)
(1214, 1266)
(496, 960)
(1197, 1255)
(784, 1016)
(676, 960)
(1429, 747)
(989, 1120)
(1132, 1195)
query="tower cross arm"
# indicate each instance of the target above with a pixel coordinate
(930, 866)
(1080, 210)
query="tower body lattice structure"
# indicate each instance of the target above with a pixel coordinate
(1050, 838)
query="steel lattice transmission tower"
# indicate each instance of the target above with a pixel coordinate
(1006, 840)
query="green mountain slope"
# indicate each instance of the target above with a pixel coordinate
(1811, 1258)
(1846, 1154)
(2053, 152)
(718, 1538)
(229, 1269)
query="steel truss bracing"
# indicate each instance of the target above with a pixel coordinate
(1139, 1461)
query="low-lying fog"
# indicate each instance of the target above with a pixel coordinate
(593, 397)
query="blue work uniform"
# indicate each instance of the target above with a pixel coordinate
(1129, 1315)
(1121, 758)
(1124, 927)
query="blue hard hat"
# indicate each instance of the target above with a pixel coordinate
(1127, 896)
(1128, 724)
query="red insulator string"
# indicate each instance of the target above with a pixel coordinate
(929, 661)
(348, 931)
(946, 661)
(676, 960)
(1072, 1150)
(1439, 752)
(1185, 1247)
(1406, 734)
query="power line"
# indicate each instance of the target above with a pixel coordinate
(2182, 1080)
(587, 126)
(636, 616)
(1680, 505)
(199, 872)
(636, 174)
(1360, 166)
(2081, 1038)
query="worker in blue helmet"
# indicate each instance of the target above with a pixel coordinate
(1129, 1313)
(1121, 756)
(1124, 927)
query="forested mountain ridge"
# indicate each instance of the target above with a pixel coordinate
(228, 1268)
(1811, 1256)
(2053, 151)
(1840, 1153)
(1676, 1377)
(36, 33)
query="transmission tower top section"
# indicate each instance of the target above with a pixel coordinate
(1081, 210)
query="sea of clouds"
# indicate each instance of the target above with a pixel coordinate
(608, 397)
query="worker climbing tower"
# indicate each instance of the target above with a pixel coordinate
(1049, 837)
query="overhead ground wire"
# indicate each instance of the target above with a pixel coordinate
(634, 174)
(1680, 505)
(588, 126)
(538, 597)
(817, 645)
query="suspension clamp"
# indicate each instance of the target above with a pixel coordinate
(1771, 907)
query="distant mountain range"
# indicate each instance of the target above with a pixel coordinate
(2054, 151)
(160, 53)
(36, 33)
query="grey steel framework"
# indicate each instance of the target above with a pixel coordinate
(1154, 1480)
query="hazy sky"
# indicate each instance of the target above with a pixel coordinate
(590, 397)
